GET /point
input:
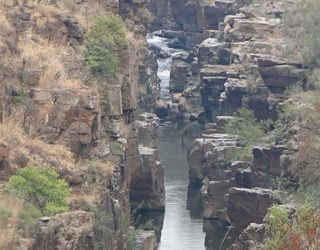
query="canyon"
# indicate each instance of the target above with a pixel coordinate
(145, 151)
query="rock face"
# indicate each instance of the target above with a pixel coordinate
(64, 116)
(248, 205)
(207, 157)
(146, 240)
(59, 108)
(146, 176)
(250, 238)
(178, 76)
(70, 231)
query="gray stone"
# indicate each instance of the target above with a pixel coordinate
(69, 231)
(245, 205)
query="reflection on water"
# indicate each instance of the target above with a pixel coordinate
(182, 229)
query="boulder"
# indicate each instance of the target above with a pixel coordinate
(114, 100)
(161, 109)
(147, 183)
(69, 231)
(214, 198)
(283, 76)
(178, 76)
(245, 206)
(248, 29)
(146, 127)
(251, 237)
(267, 160)
(207, 157)
(210, 51)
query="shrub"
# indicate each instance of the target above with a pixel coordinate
(28, 217)
(299, 233)
(278, 227)
(42, 187)
(308, 220)
(301, 27)
(102, 227)
(249, 130)
(104, 41)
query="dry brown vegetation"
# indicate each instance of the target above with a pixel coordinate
(33, 151)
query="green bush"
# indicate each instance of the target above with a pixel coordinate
(249, 130)
(302, 231)
(41, 187)
(301, 27)
(28, 217)
(104, 41)
(278, 227)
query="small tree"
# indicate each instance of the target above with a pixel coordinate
(249, 130)
(41, 187)
(104, 41)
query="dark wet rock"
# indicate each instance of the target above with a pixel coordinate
(161, 109)
(184, 56)
(176, 43)
(158, 51)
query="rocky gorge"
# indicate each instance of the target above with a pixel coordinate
(145, 151)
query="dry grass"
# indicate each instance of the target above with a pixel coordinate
(53, 61)
(39, 153)
(86, 12)
(106, 168)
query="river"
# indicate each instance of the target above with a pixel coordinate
(183, 223)
(181, 227)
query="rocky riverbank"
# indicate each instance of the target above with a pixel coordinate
(84, 128)
(100, 134)
(233, 49)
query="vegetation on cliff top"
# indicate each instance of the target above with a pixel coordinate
(301, 27)
(104, 42)
(41, 187)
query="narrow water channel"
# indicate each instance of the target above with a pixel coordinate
(182, 228)
(183, 223)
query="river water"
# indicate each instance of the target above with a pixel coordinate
(181, 227)
(183, 224)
